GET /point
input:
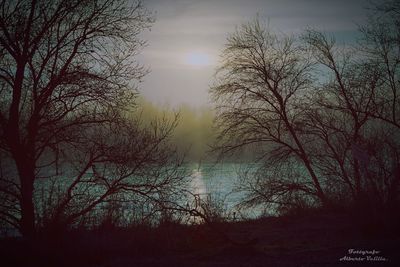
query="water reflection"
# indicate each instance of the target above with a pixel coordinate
(197, 184)
(216, 183)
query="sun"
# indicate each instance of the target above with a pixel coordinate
(197, 59)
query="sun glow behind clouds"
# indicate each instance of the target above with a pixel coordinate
(198, 59)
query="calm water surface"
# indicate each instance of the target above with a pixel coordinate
(218, 181)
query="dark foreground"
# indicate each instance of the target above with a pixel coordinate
(301, 240)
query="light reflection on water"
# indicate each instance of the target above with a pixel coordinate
(197, 186)
(217, 182)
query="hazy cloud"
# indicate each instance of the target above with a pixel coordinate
(192, 25)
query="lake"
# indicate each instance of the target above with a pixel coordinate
(208, 181)
(218, 181)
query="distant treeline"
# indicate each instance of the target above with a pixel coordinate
(194, 133)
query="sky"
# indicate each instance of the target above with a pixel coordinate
(188, 35)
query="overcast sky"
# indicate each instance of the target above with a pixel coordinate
(192, 28)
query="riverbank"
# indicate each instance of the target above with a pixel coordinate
(322, 239)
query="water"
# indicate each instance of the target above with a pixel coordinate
(215, 182)
(218, 182)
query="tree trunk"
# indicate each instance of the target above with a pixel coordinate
(27, 207)
(320, 192)
(307, 163)
(26, 172)
(25, 162)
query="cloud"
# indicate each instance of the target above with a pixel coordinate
(183, 26)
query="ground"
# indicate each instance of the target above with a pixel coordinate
(327, 239)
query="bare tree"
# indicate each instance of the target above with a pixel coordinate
(354, 113)
(380, 45)
(65, 66)
(341, 107)
(275, 187)
(116, 164)
(258, 92)
(328, 111)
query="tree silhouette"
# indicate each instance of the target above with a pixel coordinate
(260, 82)
(323, 117)
(68, 76)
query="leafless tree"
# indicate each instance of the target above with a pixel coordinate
(275, 188)
(67, 73)
(380, 45)
(354, 112)
(341, 107)
(258, 91)
(127, 164)
(328, 111)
